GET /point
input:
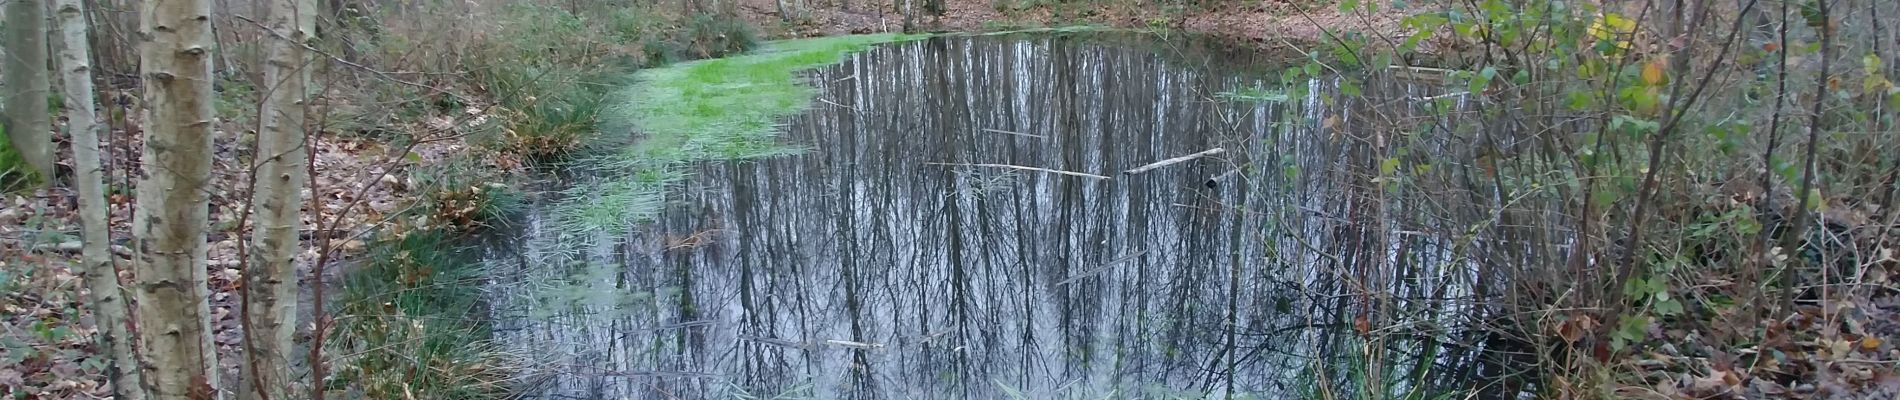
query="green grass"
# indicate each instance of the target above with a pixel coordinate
(412, 324)
(1397, 371)
(411, 320)
(720, 109)
(14, 173)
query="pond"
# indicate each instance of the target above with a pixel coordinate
(961, 224)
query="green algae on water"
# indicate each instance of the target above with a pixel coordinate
(718, 109)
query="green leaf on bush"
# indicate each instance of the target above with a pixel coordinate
(1669, 307)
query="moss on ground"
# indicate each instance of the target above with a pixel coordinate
(14, 173)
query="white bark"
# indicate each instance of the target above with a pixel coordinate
(169, 231)
(271, 282)
(108, 300)
(28, 127)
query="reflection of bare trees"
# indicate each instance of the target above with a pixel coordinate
(868, 268)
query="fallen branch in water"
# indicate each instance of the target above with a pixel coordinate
(853, 109)
(854, 344)
(1214, 182)
(1012, 133)
(1052, 171)
(1424, 74)
(1100, 269)
(1176, 160)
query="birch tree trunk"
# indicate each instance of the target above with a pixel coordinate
(28, 127)
(169, 230)
(108, 301)
(270, 296)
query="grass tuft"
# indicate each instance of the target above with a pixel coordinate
(413, 324)
(14, 173)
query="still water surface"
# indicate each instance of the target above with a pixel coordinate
(880, 264)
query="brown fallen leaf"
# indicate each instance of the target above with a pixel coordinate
(1718, 383)
(1572, 330)
(1768, 387)
(1838, 349)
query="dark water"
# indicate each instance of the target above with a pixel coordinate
(867, 268)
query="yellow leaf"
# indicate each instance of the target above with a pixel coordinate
(1614, 27)
(1653, 74)
(1875, 84)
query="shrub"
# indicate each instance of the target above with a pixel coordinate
(710, 36)
(462, 196)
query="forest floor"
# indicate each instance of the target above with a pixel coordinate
(47, 348)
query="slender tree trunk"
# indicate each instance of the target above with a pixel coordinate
(270, 290)
(905, 6)
(169, 229)
(1803, 213)
(108, 300)
(28, 126)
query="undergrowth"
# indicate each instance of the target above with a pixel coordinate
(410, 319)
(1651, 206)
(463, 197)
(542, 72)
(412, 325)
(533, 85)
(558, 68)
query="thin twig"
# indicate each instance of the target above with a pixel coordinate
(1802, 214)
(1767, 183)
